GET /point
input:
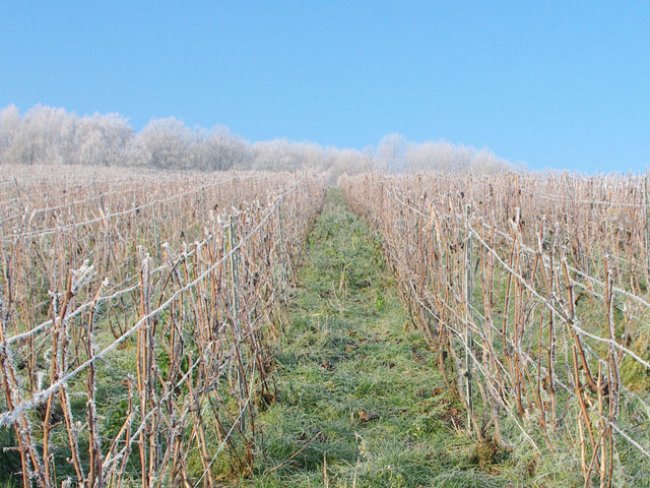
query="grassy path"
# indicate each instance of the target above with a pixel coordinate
(359, 399)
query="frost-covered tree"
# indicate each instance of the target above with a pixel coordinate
(103, 140)
(280, 154)
(450, 158)
(348, 161)
(47, 135)
(220, 150)
(164, 144)
(9, 125)
(391, 153)
(44, 136)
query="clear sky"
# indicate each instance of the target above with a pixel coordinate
(553, 84)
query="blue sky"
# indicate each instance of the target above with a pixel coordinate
(552, 84)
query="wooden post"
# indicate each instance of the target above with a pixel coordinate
(646, 229)
(468, 331)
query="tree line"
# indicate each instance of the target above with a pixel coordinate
(49, 135)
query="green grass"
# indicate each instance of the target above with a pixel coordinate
(348, 350)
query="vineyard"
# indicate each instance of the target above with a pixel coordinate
(142, 316)
(136, 311)
(533, 290)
